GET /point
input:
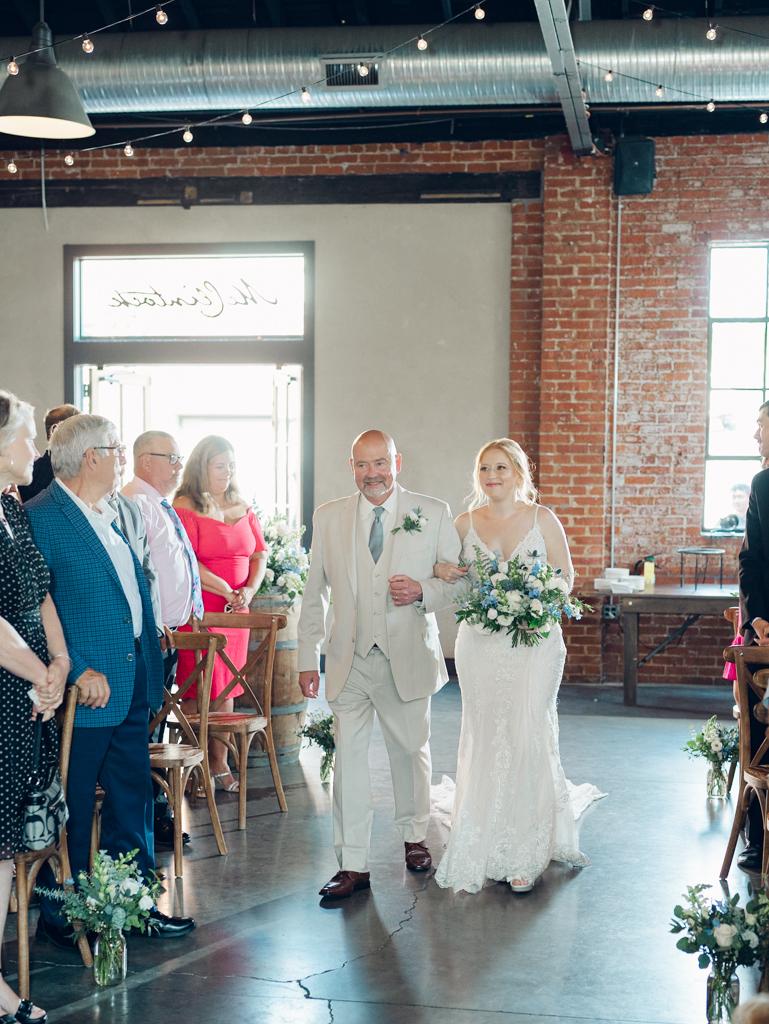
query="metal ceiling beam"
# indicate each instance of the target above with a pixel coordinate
(554, 22)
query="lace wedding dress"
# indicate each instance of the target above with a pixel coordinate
(513, 809)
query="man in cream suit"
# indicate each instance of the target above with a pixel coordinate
(384, 655)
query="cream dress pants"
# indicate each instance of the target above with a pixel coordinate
(370, 689)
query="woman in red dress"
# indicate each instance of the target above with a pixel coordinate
(232, 556)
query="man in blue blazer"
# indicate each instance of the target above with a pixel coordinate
(103, 600)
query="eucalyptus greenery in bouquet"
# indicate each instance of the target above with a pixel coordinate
(718, 744)
(725, 936)
(526, 597)
(114, 898)
(319, 729)
(287, 561)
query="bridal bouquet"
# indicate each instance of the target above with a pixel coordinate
(526, 597)
(287, 561)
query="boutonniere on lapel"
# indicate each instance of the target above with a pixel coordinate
(413, 522)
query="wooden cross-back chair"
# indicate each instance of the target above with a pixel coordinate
(172, 763)
(752, 664)
(243, 725)
(29, 862)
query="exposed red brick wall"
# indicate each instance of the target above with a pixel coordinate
(562, 332)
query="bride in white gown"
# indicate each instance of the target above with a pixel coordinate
(513, 809)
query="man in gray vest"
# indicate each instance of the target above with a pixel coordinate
(374, 552)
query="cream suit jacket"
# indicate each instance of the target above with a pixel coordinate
(416, 660)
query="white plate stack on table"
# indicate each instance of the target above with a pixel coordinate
(619, 581)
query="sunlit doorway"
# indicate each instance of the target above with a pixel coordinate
(257, 407)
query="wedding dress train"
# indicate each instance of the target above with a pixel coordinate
(513, 811)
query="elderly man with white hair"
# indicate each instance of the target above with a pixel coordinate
(103, 600)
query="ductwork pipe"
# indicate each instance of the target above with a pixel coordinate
(464, 65)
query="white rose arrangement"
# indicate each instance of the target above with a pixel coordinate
(287, 561)
(525, 597)
(718, 744)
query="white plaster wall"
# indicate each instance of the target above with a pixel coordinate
(412, 313)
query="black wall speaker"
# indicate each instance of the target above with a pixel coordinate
(634, 172)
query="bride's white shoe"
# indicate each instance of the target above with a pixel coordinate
(518, 885)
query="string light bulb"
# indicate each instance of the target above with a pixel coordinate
(362, 70)
(246, 118)
(764, 117)
(13, 67)
(87, 45)
(69, 159)
(711, 33)
(609, 76)
(160, 15)
(128, 149)
(187, 135)
(421, 43)
(480, 14)
(305, 95)
(11, 167)
(648, 14)
(658, 91)
(710, 107)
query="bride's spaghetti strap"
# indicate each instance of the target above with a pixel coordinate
(536, 510)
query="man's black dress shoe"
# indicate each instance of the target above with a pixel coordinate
(63, 937)
(165, 927)
(750, 858)
(164, 832)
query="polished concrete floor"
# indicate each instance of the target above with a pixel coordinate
(583, 947)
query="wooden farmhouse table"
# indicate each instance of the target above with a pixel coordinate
(659, 599)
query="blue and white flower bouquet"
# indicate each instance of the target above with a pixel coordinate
(287, 561)
(526, 597)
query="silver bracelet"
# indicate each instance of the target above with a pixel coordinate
(55, 656)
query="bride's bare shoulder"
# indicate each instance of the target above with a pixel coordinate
(462, 524)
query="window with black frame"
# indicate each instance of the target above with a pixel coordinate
(737, 380)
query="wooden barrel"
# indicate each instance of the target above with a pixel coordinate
(289, 707)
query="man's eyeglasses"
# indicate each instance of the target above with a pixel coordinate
(119, 449)
(173, 460)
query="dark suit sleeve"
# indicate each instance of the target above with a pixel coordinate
(754, 578)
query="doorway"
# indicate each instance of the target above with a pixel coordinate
(255, 406)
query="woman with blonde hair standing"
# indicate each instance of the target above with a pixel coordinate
(512, 810)
(232, 556)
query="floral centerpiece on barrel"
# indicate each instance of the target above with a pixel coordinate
(719, 745)
(320, 731)
(281, 594)
(525, 597)
(726, 937)
(112, 900)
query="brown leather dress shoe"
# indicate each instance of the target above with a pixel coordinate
(418, 857)
(345, 883)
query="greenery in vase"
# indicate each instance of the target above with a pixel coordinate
(115, 896)
(287, 561)
(717, 743)
(724, 934)
(319, 729)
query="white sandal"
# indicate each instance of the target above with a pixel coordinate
(522, 886)
(234, 786)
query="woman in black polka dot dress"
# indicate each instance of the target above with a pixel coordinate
(33, 657)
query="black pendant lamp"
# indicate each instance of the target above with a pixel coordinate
(40, 101)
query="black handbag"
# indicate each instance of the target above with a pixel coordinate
(45, 809)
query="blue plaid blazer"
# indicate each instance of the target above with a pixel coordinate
(93, 609)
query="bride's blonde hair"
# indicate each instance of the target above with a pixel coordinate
(525, 491)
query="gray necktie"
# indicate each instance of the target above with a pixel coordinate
(376, 540)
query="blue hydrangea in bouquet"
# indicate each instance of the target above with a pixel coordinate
(524, 596)
(287, 561)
